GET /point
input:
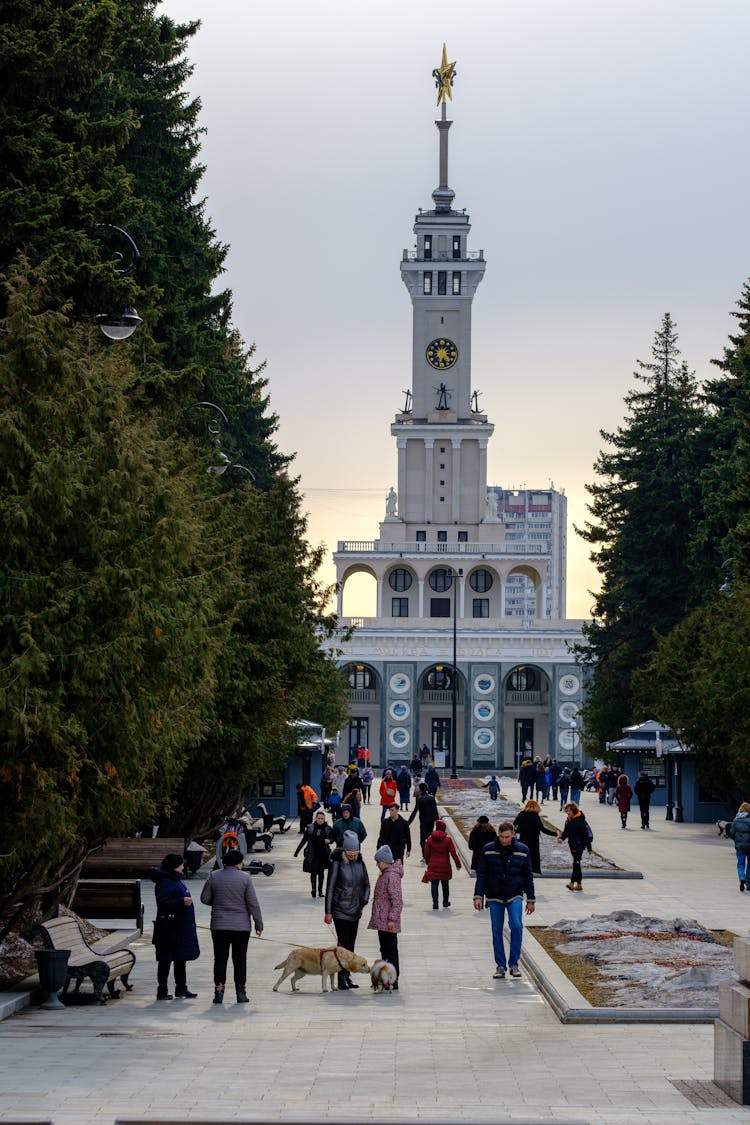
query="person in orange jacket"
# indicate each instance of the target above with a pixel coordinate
(307, 803)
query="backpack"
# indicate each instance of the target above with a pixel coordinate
(589, 833)
(230, 841)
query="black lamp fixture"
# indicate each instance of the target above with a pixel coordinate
(727, 571)
(215, 426)
(121, 325)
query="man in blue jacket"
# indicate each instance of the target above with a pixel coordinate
(503, 877)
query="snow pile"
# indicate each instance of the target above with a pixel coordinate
(649, 962)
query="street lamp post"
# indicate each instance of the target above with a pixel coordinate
(454, 677)
(573, 732)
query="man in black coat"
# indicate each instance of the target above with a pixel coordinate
(643, 788)
(394, 831)
(503, 877)
(527, 777)
(427, 810)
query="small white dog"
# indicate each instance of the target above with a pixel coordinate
(383, 976)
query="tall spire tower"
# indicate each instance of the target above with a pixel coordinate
(442, 441)
(466, 653)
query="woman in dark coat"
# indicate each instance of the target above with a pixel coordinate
(576, 832)
(623, 797)
(347, 894)
(480, 836)
(439, 849)
(529, 828)
(175, 936)
(317, 842)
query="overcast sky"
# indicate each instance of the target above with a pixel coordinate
(600, 147)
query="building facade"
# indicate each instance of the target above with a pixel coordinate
(469, 651)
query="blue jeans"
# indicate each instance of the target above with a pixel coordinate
(515, 924)
(575, 795)
(743, 864)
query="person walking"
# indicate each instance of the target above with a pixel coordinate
(425, 807)
(503, 877)
(317, 842)
(234, 910)
(403, 782)
(492, 786)
(577, 832)
(526, 778)
(367, 777)
(348, 822)
(564, 786)
(388, 792)
(480, 836)
(347, 894)
(432, 780)
(352, 791)
(611, 782)
(394, 831)
(175, 936)
(739, 831)
(439, 850)
(387, 905)
(530, 827)
(643, 788)
(555, 770)
(576, 785)
(307, 803)
(623, 797)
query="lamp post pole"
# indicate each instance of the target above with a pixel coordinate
(454, 677)
(573, 729)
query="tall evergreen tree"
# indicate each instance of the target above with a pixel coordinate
(109, 630)
(643, 510)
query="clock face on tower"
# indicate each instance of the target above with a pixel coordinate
(441, 354)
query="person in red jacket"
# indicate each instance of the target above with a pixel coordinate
(388, 793)
(439, 849)
(623, 797)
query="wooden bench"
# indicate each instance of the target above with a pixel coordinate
(86, 961)
(132, 856)
(109, 898)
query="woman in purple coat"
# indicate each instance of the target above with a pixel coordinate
(387, 904)
(175, 936)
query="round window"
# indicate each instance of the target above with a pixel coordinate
(399, 579)
(441, 580)
(480, 581)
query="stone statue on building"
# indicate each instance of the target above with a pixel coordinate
(390, 502)
(490, 507)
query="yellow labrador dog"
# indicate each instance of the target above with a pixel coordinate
(304, 961)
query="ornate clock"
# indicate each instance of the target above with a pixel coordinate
(441, 354)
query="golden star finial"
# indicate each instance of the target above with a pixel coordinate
(444, 75)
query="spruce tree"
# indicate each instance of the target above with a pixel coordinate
(643, 510)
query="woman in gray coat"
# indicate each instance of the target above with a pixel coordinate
(347, 894)
(234, 908)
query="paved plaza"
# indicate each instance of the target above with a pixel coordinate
(452, 1044)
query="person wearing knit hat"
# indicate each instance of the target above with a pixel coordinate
(480, 836)
(347, 894)
(175, 937)
(387, 905)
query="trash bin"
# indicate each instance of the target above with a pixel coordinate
(52, 966)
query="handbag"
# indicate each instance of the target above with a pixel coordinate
(166, 925)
